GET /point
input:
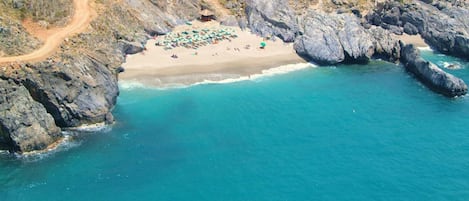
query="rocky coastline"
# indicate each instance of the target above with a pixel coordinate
(78, 85)
(430, 75)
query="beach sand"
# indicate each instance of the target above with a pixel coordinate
(227, 59)
(417, 40)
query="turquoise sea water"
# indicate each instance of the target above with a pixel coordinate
(344, 133)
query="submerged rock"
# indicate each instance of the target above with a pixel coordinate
(432, 76)
(25, 124)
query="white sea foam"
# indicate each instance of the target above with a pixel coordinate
(265, 73)
(450, 65)
(129, 85)
(218, 79)
(66, 143)
(91, 127)
(427, 48)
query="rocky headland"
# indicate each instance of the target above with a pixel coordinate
(78, 84)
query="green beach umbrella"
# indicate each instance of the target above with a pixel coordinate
(263, 44)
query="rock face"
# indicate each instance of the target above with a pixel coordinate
(272, 18)
(335, 38)
(24, 124)
(432, 76)
(444, 26)
(74, 93)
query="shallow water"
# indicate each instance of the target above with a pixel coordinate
(343, 133)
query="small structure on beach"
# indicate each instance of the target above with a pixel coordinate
(206, 15)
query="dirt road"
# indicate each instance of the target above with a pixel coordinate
(82, 17)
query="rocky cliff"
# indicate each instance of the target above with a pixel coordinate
(78, 84)
(324, 38)
(20, 115)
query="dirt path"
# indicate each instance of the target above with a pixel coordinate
(82, 17)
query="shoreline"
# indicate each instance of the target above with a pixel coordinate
(185, 75)
(226, 59)
(163, 67)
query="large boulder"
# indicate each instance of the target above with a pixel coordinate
(272, 18)
(131, 47)
(25, 124)
(336, 38)
(319, 41)
(392, 16)
(430, 75)
(410, 29)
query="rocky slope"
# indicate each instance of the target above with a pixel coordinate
(14, 40)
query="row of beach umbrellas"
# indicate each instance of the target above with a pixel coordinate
(195, 38)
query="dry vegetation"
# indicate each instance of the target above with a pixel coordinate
(14, 39)
(50, 11)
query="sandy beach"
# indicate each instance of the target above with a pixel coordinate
(241, 56)
(227, 59)
(417, 40)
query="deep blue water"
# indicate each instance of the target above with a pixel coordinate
(344, 133)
